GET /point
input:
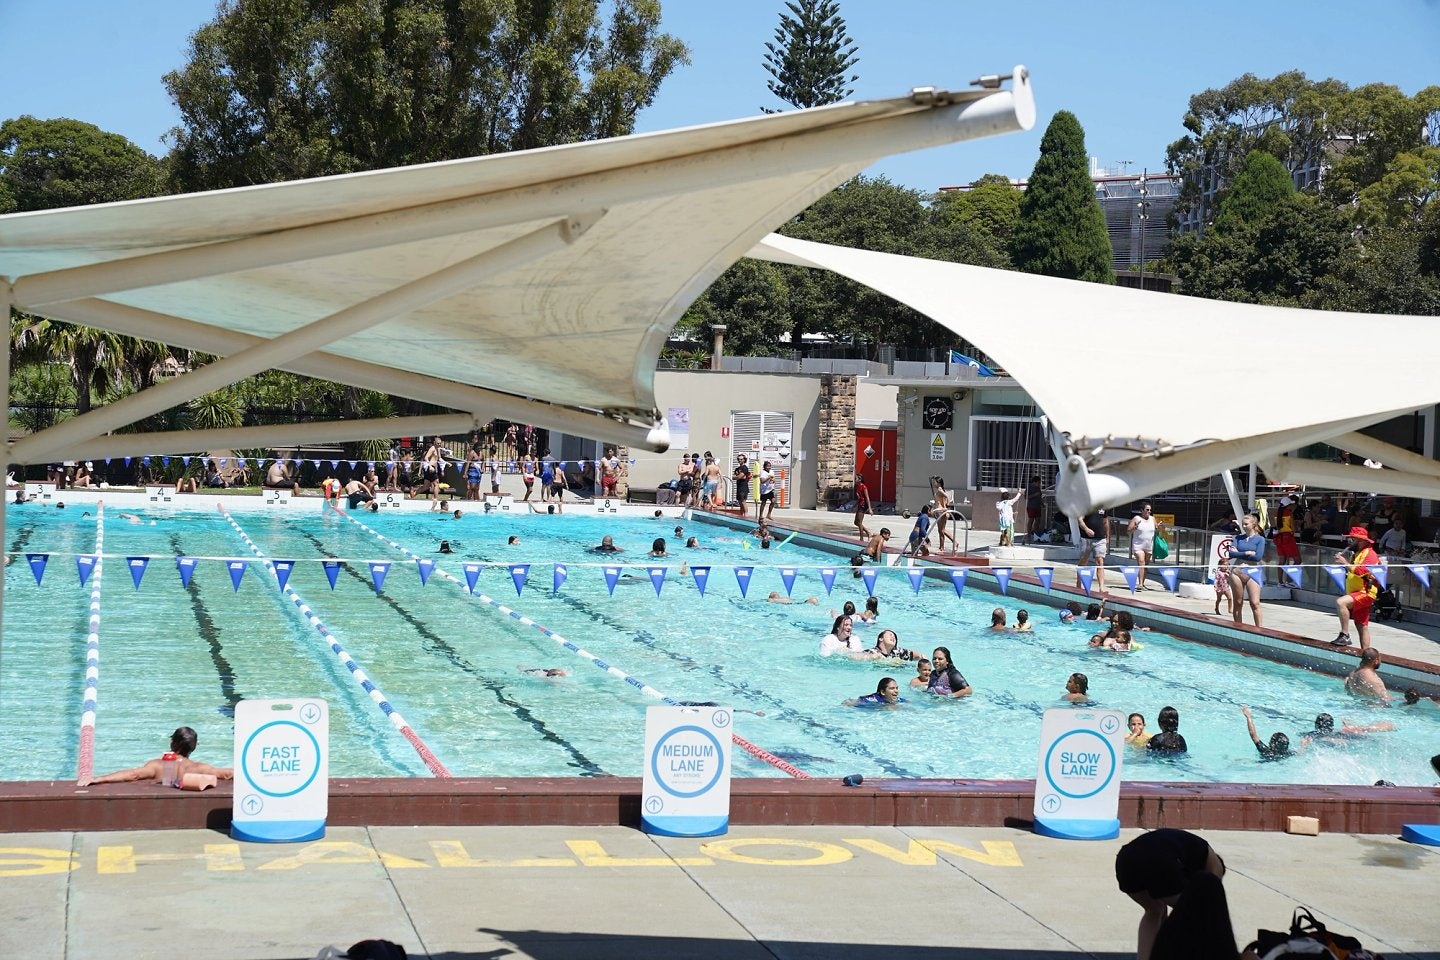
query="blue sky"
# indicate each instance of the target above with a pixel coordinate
(1127, 71)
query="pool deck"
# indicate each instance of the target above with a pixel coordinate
(765, 890)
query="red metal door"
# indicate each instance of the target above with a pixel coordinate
(875, 462)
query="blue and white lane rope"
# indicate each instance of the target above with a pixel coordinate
(85, 768)
(368, 685)
(645, 688)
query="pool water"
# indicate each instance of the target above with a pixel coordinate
(452, 664)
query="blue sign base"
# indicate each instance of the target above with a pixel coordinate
(685, 826)
(1426, 833)
(1078, 829)
(278, 831)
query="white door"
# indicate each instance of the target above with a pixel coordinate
(761, 436)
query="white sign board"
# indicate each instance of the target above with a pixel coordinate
(686, 790)
(937, 446)
(1077, 785)
(282, 770)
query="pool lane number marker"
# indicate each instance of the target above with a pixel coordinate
(1077, 785)
(282, 770)
(686, 787)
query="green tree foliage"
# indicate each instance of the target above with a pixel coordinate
(285, 89)
(1061, 228)
(1279, 258)
(760, 301)
(810, 55)
(66, 163)
(1262, 186)
(989, 209)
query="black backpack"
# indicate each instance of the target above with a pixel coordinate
(1308, 939)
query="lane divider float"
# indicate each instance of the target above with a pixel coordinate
(368, 685)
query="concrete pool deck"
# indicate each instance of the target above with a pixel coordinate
(611, 893)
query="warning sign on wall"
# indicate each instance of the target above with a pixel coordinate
(937, 446)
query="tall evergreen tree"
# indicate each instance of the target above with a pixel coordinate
(1262, 186)
(1061, 229)
(810, 55)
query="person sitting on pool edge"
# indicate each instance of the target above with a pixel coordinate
(183, 742)
(1168, 740)
(887, 694)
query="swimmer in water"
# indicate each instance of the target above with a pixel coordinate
(444, 547)
(887, 694)
(549, 673)
(921, 680)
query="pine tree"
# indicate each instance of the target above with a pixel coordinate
(810, 55)
(1061, 230)
(1262, 187)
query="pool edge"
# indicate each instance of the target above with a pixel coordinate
(50, 806)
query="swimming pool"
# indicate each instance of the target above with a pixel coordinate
(451, 664)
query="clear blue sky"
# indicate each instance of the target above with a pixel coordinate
(1127, 71)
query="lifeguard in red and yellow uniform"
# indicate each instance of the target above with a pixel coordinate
(1285, 546)
(1361, 588)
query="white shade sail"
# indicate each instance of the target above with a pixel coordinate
(1152, 390)
(536, 286)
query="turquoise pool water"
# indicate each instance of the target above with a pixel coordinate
(452, 665)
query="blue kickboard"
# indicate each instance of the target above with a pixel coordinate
(1062, 829)
(1426, 833)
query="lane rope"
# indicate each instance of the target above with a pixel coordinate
(359, 675)
(85, 768)
(756, 751)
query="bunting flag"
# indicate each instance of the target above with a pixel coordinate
(378, 569)
(612, 574)
(165, 461)
(1171, 576)
(787, 577)
(519, 573)
(1381, 573)
(185, 462)
(85, 566)
(425, 566)
(868, 575)
(702, 576)
(1422, 573)
(957, 577)
(332, 570)
(1132, 576)
(37, 565)
(1294, 573)
(1045, 575)
(560, 575)
(827, 577)
(1087, 578)
(1254, 573)
(742, 577)
(472, 574)
(1337, 573)
(137, 568)
(1002, 577)
(282, 571)
(224, 461)
(917, 577)
(237, 571)
(657, 577)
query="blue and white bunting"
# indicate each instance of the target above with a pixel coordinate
(561, 573)
(787, 577)
(1045, 575)
(472, 574)
(37, 565)
(827, 577)
(1002, 578)
(424, 566)
(1294, 573)
(332, 570)
(378, 570)
(742, 577)
(283, 569)
(657, 577)
(137, 568)
(1422, 573)
(1087, 578)
(519, 573)
(702, 577)
(917, 577)
(868, 575)
(1337, 573)
(612, 576)
(1132, 576)
(1171, 576)
(957, 579)
(85, 566)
